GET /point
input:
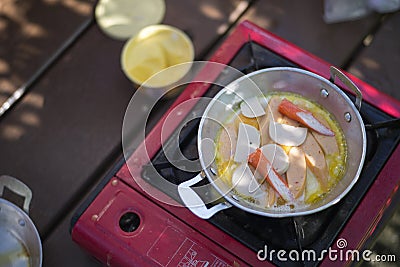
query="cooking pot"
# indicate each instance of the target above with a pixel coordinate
(20, 244)
(281, 79)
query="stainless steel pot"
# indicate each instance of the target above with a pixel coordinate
(281, 79)
(20, 244)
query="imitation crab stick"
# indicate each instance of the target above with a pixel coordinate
(303, 116)
(264, 167)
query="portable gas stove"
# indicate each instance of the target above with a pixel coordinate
(121, 225)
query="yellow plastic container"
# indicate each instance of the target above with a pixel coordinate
(148, 58)
(122, 19)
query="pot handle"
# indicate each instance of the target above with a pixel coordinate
(346, 81)
(194, 203)
(18, 188)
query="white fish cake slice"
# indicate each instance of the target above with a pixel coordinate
(277, 156)
(247, 142)
(287, 135)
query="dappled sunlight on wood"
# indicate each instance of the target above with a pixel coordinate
(33, 30)
(370, 63)
(356, 72)
(77, 6)
(211, 11)
(11, 132)
(30, 118)
(263, 21)
(267, 18)
(6, 86)
(26, 39)
(267, 23)
(24, 53)
(6, 89)
(34, 100)
(240, 8)
(3, 24)
(4, 66)
(17, 14)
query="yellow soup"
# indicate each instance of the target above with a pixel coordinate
(335, 161)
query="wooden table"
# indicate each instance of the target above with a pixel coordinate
(65, 133)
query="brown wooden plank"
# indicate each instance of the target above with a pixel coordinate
(67, 125)
(301, 22)
(378, 64)
(30, 32)
(59, 249)
(204, 21)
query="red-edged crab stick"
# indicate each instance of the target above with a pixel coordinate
(305, 117)
(264, 167)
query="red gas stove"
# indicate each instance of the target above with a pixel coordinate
(121, 225)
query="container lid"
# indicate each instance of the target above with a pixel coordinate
(122, 19)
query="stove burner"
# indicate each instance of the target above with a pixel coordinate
(316, 231)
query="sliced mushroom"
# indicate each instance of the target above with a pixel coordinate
(273, 115)
(247, 142)
(252, 108)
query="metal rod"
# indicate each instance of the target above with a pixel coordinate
(299, 236)
(21, 91)
(384, 124)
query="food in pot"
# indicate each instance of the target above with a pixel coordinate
(264, 167)
(12, 250)
(281, 150)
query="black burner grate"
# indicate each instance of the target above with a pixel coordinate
(316, 231)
